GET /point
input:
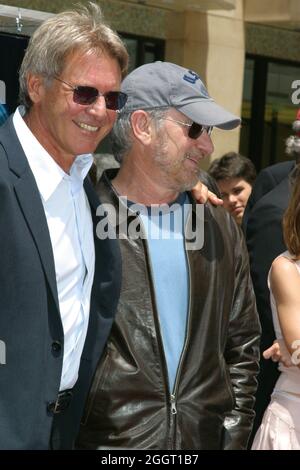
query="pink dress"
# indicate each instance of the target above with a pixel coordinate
(280, 427)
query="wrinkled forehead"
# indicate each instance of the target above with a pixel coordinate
(94, 68)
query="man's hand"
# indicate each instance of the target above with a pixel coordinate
(278, 353)
(202, 194)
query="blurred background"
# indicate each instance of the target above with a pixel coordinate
(246, 51)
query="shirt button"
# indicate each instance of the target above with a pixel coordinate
(56, 348)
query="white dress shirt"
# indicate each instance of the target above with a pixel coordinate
(71, 232)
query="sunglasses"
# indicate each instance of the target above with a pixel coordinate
(86, 95)
(195, 129)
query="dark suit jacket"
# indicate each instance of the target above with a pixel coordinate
(263, 229)
(30, 323)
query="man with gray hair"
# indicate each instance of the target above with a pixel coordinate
(59, 283)
(179, 368)
(57, 304)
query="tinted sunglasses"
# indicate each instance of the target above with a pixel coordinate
(195, 129)
(86, 95)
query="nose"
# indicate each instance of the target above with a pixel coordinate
(204, 144)
(98, 108)
(232, 199)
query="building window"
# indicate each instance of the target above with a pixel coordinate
(143, 50)
(268, 111)
(12, 48)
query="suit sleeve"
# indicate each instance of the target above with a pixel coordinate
(264, 183)
(242, 352)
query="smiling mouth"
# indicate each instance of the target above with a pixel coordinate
(87, 127)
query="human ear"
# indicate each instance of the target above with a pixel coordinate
(35, 87)
(142, 127)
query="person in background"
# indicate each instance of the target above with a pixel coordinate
(262, 226)
(235, 175)
(180, 365)
(271, 176)
(280, 427)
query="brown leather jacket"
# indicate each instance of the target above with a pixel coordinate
(130, 405)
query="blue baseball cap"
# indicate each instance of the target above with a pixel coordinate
(163, 85)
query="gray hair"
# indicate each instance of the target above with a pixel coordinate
(121, 136)
(82, 29)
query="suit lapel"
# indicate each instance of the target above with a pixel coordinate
(91, 194)
(30, 202)
(106, 286)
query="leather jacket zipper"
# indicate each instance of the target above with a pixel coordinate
(173, 396)
(172, 421)
(173, 405)
(170, 399)
(156, 317)
(187, 332)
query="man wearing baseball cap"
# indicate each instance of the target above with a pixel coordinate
(180, 365)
